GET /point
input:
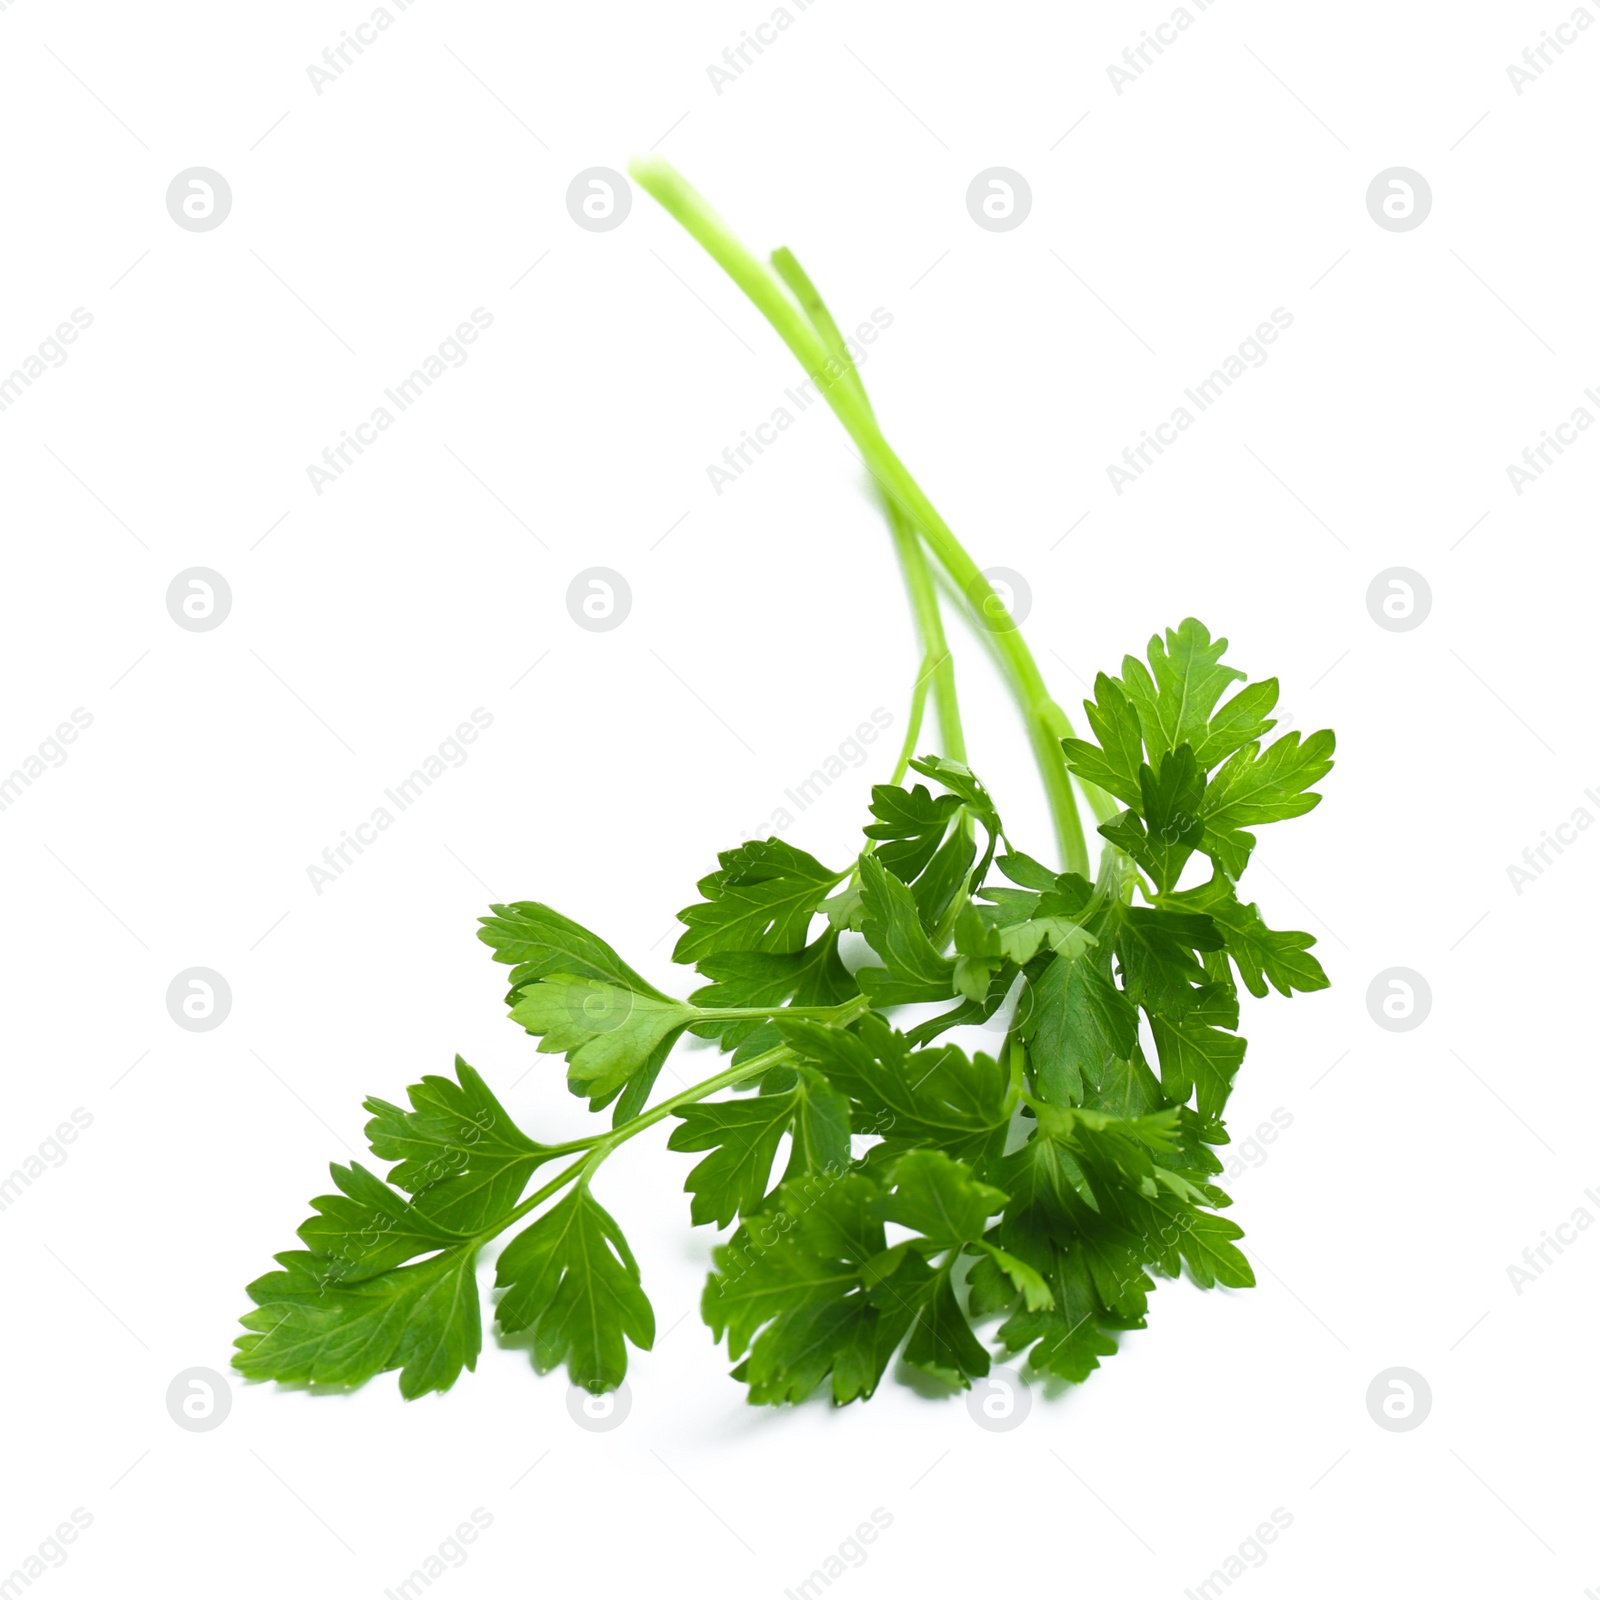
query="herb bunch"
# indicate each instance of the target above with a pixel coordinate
(1034, 1192)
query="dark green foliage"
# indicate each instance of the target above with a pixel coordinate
(889, 1192)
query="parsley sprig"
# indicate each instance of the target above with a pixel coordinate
(933, 1203)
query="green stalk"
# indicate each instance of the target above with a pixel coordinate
(843, 1014)
(538, 1197)
(754, 1067)
(913, 561)
(908, 745)
(598, 1146)
(930, 626)
(1046, 723)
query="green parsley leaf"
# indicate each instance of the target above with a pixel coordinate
(1113, 764)
(1076, 1021)
(1125, 1087)
(1256, 786)
(461, 1158)
(571, 1278)
(942, 1342)
(743, 1138)
(312, 1328)
(538, 942)
(917, 838)
(939, 1198)
(369, 1227)
(762, 897)
(1028, 1281)
(935, 1096)
(1156, 950)
(814, 976)
(1024, 870)
(1066, 1338)
(960, 779)
(913, 968)
(1260, 954)
(991, 940)
(1176, 697)
(607, 1034)
(1239, 721)
(1206, 1241)
(1164, 832)
(792, 1291)
(1198, 1054)
(347, 1309)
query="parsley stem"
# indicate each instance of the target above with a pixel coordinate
(599, 1146)
(930, 626)
(753, 1068)
(538, 1197)
(919, 698)
(908, 547)
(843, 1014)
(1046, 723)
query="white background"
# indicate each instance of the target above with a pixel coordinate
(367, 621)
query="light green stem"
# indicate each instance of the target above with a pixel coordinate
(842, 1014)
(930, 626)
(753, 1068)
(598, 1146)
(908, 745)
(913, 560)
(1046, 723)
